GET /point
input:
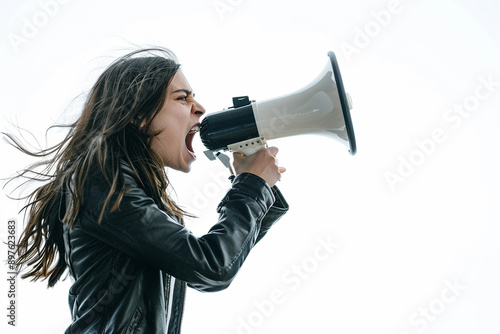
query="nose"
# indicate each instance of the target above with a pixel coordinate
(198, 109)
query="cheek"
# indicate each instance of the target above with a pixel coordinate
(168, 141)
(171, 124)
(164, 141)
(175, 129)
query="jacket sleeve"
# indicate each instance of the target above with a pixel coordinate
(277, 210)
(140, 229)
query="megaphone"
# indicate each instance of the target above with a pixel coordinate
(322, 107)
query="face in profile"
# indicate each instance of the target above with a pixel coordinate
(176, 123)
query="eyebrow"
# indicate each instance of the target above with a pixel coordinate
(188, 92)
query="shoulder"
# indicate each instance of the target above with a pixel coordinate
(123, 186)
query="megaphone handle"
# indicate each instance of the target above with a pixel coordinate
(248, 147)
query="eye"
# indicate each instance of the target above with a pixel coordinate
(182, 98)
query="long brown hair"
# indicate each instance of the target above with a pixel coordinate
(113, 127)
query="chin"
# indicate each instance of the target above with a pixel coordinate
(181, 165)
(185, 168)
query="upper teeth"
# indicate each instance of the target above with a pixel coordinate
(195, 128)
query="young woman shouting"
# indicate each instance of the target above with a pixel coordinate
(103, 212)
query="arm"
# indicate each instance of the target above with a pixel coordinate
(141, 230)
(279, 208)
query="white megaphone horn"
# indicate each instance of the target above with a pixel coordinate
(322, 107)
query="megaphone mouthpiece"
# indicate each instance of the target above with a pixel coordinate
(223, 128)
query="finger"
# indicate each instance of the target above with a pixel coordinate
(273, 150)
(237, 154)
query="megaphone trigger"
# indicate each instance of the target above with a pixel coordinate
(222, 157)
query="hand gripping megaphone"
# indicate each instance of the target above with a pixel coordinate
(322, 107)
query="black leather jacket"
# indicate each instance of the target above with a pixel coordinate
(130, 271)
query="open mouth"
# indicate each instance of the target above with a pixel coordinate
(189, 138)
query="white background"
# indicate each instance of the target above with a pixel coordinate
(411, 214)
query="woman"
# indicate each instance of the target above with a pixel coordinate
(104, 213)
